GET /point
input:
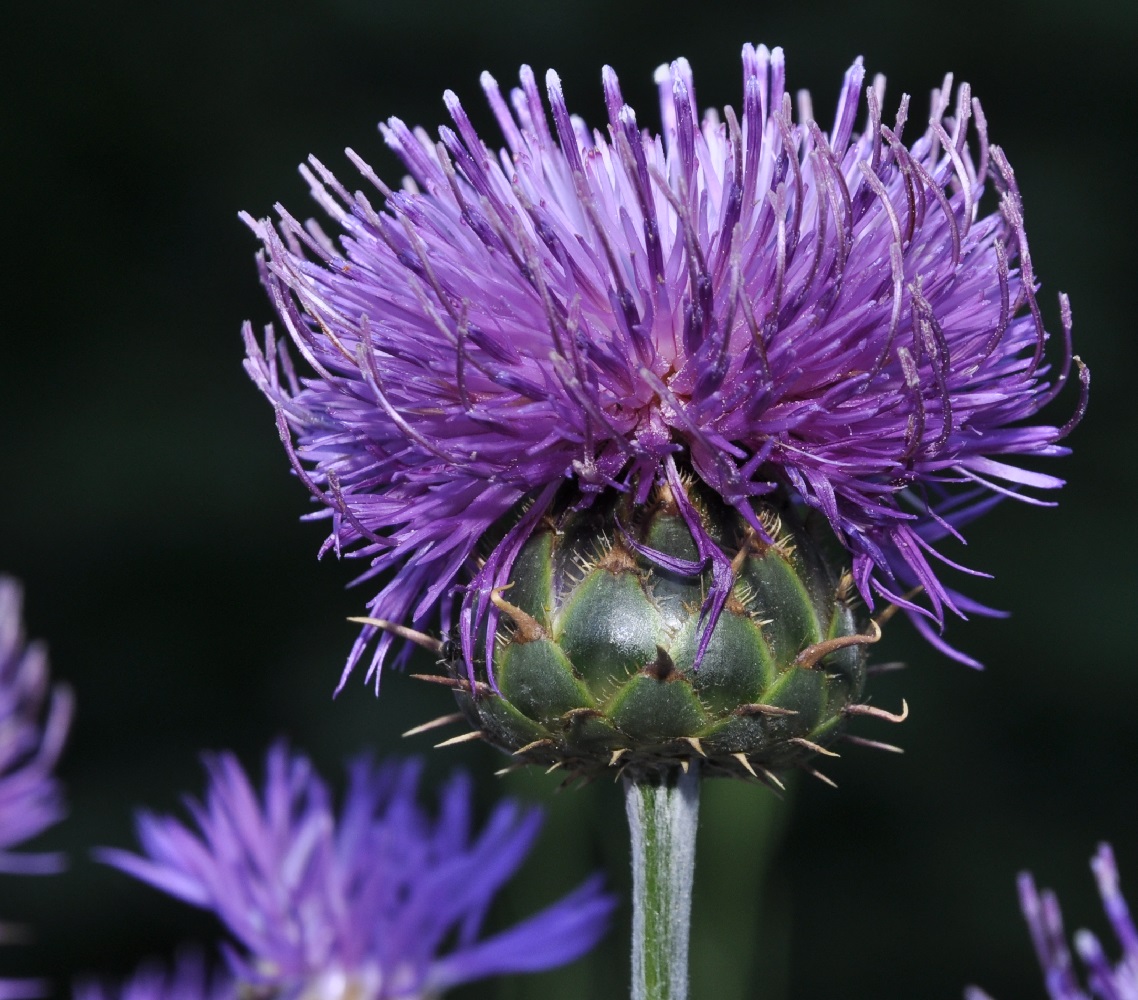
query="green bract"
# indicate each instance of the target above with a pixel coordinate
(594, 664)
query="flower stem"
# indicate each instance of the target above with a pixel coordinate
(662, 818)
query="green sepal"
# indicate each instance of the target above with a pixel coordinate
(503, 724)
(844, 667)
(847, 664)
(537, 679)
(649, 710)
(802, 691)
(532, 577)
(669, 534)
(591, 734)
(736, 666)
(674, 593)
(608, 629)
(781, 599)
(740, 734)
(826, 729)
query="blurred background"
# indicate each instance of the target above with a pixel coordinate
(150, 512)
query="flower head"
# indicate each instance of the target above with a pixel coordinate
(34, 718)
(379, 902)
(1105, 980)
(827, 314)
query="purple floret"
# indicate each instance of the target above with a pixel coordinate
(826, 314)
(380, 898)
(34, 718)
(1106, 980)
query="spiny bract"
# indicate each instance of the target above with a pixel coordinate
(596, 665)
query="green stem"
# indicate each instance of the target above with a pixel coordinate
(662, 818)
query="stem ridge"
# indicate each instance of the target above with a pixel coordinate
(662, 818)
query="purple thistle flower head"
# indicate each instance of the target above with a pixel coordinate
(1106, 980)
(773, 305)
(34, 718)
(188, 981)
(379, 902)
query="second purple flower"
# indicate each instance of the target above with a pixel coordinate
(378, 900)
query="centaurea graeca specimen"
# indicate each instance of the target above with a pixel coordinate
(636, 418)
(34, 719)
(378, 900)
(1105, 980)
(734, 324)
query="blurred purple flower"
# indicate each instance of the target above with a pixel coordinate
(826, 314)
(188, 981)
(380, 903)
(1105, 980)
(22, 989)
(31, 738)
(34, 718)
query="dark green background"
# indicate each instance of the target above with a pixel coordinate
(149, 509)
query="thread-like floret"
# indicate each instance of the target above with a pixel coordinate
(823, 313)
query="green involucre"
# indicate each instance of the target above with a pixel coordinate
(594, 661)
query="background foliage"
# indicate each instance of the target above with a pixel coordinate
(150, 511)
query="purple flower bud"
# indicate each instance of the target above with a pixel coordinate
(832, 315)
(379, 901)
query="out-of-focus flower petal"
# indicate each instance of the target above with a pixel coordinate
(34, 719)
(1105, 979)
(380, 897)
(189, 980)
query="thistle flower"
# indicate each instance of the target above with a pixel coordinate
(188, 981)
(31, 739)
(1105, 980)
(381, 902)
(830, 318)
